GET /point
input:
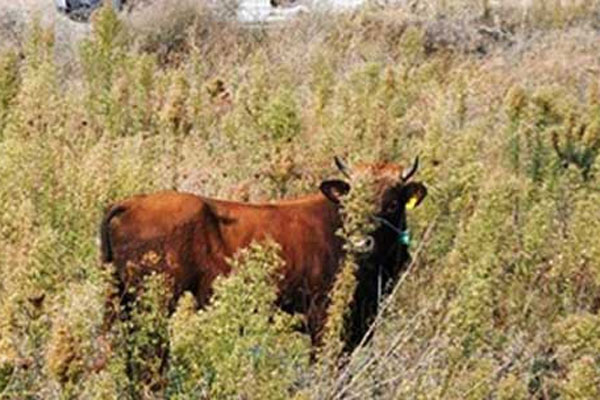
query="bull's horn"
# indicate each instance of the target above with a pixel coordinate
(341, 165)
(407, 173)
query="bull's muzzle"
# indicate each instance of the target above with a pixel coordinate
(365, 245)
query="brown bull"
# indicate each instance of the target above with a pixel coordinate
(190, 237)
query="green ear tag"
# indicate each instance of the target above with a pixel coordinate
(404, 237)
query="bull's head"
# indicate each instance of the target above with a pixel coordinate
(395, 195)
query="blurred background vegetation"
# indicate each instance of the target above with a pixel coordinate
(500, 99)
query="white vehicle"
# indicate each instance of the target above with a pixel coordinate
(247, 11)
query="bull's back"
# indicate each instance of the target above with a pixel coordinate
(305, 230)
(148, 217)
(151, 232)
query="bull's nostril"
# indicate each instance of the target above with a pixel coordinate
(366, 245)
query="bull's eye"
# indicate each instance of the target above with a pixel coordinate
(392, 206)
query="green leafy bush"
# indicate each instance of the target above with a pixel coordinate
(500, 99)
(241, 344)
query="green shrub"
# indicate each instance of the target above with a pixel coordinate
(71, 349)
(9, 84)
(241, 344)
(500, 100)
(147, 336)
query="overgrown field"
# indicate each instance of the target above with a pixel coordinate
(502, 104)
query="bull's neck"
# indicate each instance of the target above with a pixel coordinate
(308, 202)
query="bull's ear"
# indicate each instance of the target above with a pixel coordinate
(335, 189)
(413, 194)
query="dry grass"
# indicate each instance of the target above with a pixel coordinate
(502, 297)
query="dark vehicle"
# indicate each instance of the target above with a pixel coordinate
(81, 10)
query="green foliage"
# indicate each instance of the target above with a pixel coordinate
(582, 380)
(71, 347)
(102, 60)
(503, 297)
(265, 357)
(147, 338)
(34, 110)
(357, 225)
(280, 117)
(9, 83)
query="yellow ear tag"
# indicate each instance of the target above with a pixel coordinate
(411, 203)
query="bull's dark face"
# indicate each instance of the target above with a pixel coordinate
(395, 197)
(397, 200)
(392, 237)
